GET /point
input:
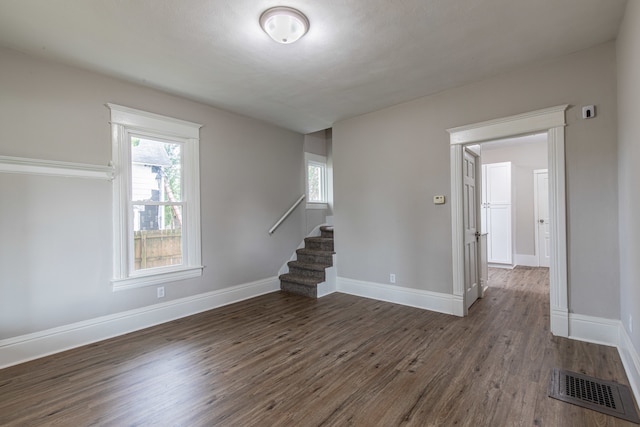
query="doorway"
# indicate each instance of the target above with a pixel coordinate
(509, 205)
(551, 121)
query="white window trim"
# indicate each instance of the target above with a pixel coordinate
(124, 121)
(315, 158)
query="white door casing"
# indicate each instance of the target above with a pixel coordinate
(551, 120)
(483, 268)
(542, 225)
(471, 232)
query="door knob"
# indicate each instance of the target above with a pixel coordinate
(541, 221)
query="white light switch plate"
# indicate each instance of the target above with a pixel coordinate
(588, 112)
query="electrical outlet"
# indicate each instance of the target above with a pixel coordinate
(160, 291)
(392, 278)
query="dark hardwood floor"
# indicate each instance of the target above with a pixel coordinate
(283, 360)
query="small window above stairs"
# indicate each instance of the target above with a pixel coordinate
(308, 270)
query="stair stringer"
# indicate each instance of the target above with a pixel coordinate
(329, 285)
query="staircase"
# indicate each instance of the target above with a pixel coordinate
(308, 270)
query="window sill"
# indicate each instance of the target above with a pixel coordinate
(156, 278)
(317, 206)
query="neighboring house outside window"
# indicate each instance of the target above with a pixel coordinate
(156, 198)
(149, 159)
(316, 178)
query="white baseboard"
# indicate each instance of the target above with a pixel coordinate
(526, 260)
(43, 343)
(497, 265)
(560, 322)
(434, 301)
(594, 329)
(631, 361)
(609, 332)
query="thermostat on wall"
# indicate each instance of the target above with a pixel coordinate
(438, 200)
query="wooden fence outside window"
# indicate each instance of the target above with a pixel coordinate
(157, 248)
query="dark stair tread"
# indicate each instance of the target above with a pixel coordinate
(326, 232)
(307, 251)
(319, 239)
(307, 265)
(326, 227)
(299, 290)
(300, 280)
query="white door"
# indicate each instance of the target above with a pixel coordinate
(470, 223)
(543, 237)
(499, 234)
(496, 210)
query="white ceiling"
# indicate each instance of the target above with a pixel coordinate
(358, 56)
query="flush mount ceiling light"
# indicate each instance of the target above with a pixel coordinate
(284, 24)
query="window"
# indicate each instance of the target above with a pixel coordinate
(316, 181)
(156, 196)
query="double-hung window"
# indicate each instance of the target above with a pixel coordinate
(316, 174)
(156, 198)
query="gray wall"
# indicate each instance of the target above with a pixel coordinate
(524, 160)
(628, 45)
(389, 164)
(316, 143)
(55, 249)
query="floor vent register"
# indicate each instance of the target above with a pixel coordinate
(603, 396)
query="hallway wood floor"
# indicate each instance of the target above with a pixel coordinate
(284, 360)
